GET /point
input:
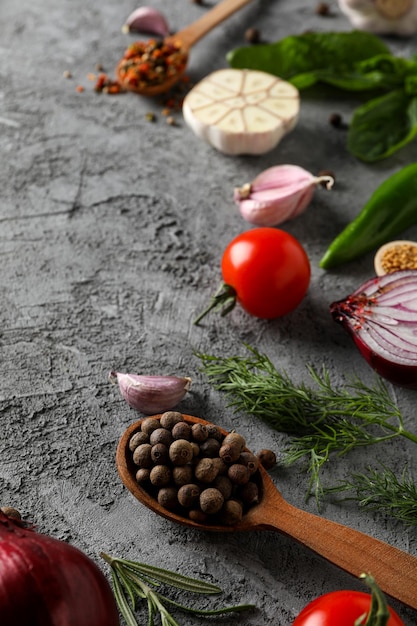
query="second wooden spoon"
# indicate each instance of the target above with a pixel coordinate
(187, 37)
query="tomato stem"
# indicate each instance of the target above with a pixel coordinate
(224, 298)
(379, 613)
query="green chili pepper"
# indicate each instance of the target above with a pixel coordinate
(391, 209)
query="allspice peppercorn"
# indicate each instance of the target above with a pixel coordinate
(211, 500)
(210, 447)
(142, 475)
(250, 460)
(267, 458)
(142, 455)
(137, 439)
(182, 474)
(206, 470)
(231, 447)
(232, 513)
(188, 495)
(182, 430)
(170, 418)
(161, 435)
(199, 432)
(149, 424)
(180, 452)
(160, 475)
(249, 493)
(167, 497)
(159, 453)
(239, 474)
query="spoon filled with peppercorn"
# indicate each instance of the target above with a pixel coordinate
(192, 472)
(155, 66)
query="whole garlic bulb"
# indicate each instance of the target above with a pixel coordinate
(397, 17)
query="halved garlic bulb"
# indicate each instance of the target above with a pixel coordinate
(397, 17)
(242, 111)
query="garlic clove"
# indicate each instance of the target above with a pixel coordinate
(146, 20)
(278, 194)
(242, 111)
(394, 256)
(397, 17)
(151, 394)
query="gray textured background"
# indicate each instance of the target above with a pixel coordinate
(111, 233)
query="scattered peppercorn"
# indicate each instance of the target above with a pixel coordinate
(267, 458)
(150, 117)
(336, 120)
(252, 35)
(323, 9)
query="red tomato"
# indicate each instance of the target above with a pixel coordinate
(269, 270)
(340, 608)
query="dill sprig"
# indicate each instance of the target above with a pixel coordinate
(321, 419)
(382, 491)
(132, 580)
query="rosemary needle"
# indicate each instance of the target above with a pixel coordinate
(321, 418)
(132, 580)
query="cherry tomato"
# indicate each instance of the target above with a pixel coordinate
(340, 608)
(269, 270)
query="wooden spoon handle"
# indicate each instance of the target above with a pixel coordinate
(195, 31)
(394, 570)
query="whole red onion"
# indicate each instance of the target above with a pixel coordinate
(381, 317)
(47, 582)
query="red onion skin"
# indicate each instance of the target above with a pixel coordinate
(47, 582)
(395, 373)
(347, 313)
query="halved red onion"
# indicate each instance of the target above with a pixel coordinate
(381, 317)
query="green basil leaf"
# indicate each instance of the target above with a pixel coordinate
(382, 126)
(308, 53)
(411, 85)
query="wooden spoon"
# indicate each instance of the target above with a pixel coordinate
(188, 36)
(394, 570)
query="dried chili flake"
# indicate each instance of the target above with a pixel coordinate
(107, 85)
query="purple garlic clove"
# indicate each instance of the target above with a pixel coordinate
(146, 20)
(151, 394)
(278, 194)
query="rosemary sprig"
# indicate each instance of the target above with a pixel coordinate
(321, 419)
(132, 580)
(382, 491)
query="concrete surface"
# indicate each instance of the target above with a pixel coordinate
(112, 229)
